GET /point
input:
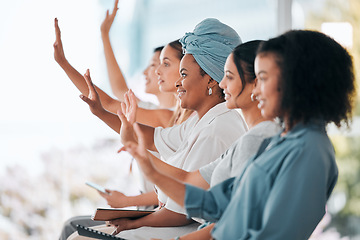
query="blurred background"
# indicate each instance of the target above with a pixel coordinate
(50, 143)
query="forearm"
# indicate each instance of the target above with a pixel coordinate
(146, 199)
(154, 117)
(78, 80)
(117, 80)
(162, 218)
(110, 119)
(170, 186)
(204, 233)
(193, 178)
(148, 133)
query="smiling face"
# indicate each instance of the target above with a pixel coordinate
(168, 70)
(232, 85)
(267, 90)
(192, 87)
(151, 78)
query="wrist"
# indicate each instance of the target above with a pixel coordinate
(104, 34)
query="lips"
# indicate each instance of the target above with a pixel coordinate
(160, 81)
(260, 104)
(181, 93)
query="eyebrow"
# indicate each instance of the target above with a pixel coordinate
(262, 71)
(228, 71)
(183, 69)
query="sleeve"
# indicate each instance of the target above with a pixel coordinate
(208, 204)
(198, 156)
(295, 204)
(207, 170)
(300, 194)
(168, 140)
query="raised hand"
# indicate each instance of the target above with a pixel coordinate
(59, 54)
(127, 133)
(109, 19)
(93, 99)
(115, 199)
(130, 107)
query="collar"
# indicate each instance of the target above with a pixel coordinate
(298, 131)
(214, 112)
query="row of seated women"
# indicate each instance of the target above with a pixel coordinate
(263, 174)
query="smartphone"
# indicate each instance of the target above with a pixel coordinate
(97, 187)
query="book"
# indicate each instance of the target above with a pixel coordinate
(108, 214)
(92, 233)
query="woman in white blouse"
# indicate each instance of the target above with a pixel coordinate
(203, 137)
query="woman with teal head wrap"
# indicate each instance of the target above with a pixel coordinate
(196, 142)
(210, 43)
(208, 46)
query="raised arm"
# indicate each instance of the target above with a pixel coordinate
(78, 80)
(117, 80)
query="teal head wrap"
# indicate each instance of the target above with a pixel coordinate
(210, 43)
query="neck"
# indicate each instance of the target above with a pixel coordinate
(252, 116)
(166, 100)
(208, 105)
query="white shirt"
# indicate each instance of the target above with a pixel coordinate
(197, 142)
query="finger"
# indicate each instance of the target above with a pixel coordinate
(115, 7)
(115, 232)
(123, 107)
(127, 101)
(57, 30)
(122, 149)
(89, 81)
(86, 99)
(132, 98)
(122, 116)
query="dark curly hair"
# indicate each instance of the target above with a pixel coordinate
(317, 77)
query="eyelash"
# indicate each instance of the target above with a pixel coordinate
(229, 77)
(183, 75)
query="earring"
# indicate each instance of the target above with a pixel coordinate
(210, 91)
(253, 98)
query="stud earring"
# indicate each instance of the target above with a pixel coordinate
(253, 98)
(210, 91)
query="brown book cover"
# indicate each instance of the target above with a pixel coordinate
(108, 214)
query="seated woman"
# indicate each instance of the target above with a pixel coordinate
(207, 134)
(238, 84)
(306, 80)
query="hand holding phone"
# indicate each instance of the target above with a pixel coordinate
(97, 187)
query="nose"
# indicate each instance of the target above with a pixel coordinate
(178, 83)
(222, 83)
(157, 70)
(146, 70)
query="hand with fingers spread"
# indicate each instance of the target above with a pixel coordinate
(127, 133)
(93, 99)
(59, 54)
(109, 19)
